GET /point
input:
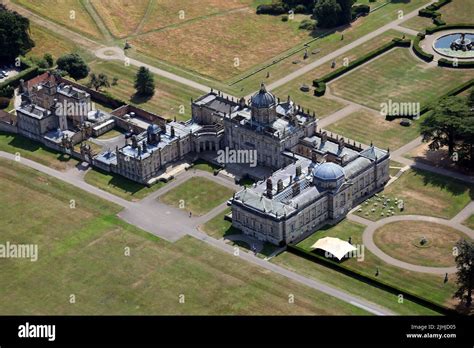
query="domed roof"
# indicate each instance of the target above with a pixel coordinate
(263, 99)
(153, 128)
(328, 171)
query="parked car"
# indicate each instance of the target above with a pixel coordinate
(4, 73)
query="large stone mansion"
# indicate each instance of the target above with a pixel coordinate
(317, 178)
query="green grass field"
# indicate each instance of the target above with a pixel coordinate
(32, 150)
(169, 97)
(197, 195)
(205, 166)
(221, 47)
(218, 227)
(458, 12)
(470, 222)
(119, 185)
(86, 249)
(395, 167)
(423, 193)
(429, 286)
(400, 77)
(366, 126)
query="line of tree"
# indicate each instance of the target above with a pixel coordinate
(451, 125)
(15, 37)
(328, 13)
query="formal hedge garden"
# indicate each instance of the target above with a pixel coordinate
(320, 84)
(431, 12)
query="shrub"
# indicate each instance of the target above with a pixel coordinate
(450, 64)
(300, 9)
(360, 10)
(284, 18)
(427, 57)
(4, 102)
(307, 24)
(273, 9)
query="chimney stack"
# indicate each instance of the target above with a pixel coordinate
(269, 188)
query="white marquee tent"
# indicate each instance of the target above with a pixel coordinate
(335, 246)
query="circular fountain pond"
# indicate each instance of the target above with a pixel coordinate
(457, 45)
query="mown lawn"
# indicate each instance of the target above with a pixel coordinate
(470, 222)
(171, 99)
(119, 185)
(399, 77)
(401, 240)
(458, 12)
(218, 227)
(429, 286)
(366, 126)
(32, 150)
(82, 252)
(423, 193)
(197, 195)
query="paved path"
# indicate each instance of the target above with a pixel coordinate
(169, 223)
(392, 25)
(372, 227)
(116, 53)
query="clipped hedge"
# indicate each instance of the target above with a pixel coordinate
(369, 280)
(460, 64)
(431, 12)
(320, 84)
(432, 30)
(427, 57)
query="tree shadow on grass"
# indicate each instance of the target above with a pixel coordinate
(453, 186)
(28, 145)
(140, 99)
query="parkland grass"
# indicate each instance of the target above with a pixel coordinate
(26, 148)
(469, 222)
(70, 13)
(366, 126)
(85, 248)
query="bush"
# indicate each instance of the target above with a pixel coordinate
(4, 102)
(284, 18)
(450, 64)
(273, 9)
(7, 92)
(427, 57)
(307, 24)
